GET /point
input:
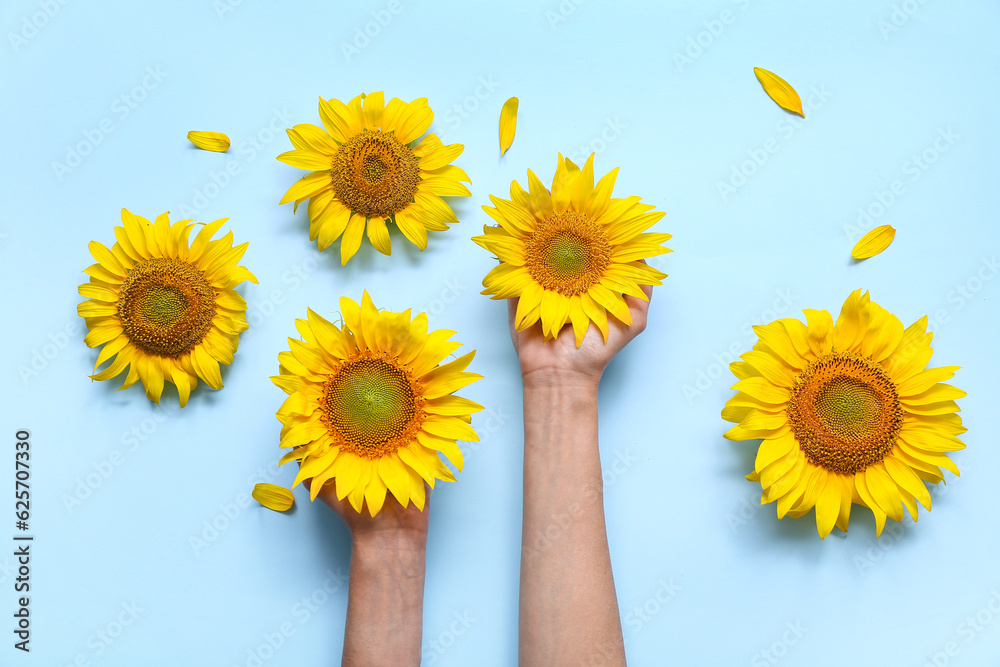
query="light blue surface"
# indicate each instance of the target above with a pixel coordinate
(590, 76)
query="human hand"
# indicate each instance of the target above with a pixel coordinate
(395, 527)
(560, 360)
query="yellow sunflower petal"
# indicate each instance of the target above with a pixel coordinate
(378, 234)
(305, 159)
(162, 304)
(828, 505)
(779, 90)
(873, 242)
(508, 123)
(394, 474)
(369, 407)
(273, 497)
(351, 240)
(374, 105)
(209, 141)
(848, 414)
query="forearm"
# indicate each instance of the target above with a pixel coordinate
(385, 604)
(568, 610)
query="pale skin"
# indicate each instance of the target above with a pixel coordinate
(568, 606)
(385, 599)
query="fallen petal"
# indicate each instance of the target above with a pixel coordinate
(873, 242)
(779, 90)
(209, 141)
(273, 497)
(508, 123)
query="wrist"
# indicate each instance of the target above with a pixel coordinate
(390, 555)
(390, 542)
(556, 379)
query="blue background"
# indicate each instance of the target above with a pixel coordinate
(764, 208)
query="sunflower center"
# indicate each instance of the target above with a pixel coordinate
(166, 306)
(373, 170)
(374, 174)
(567, 253)
(371, 404)
(844, 411)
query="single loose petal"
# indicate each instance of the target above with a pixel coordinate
(779, 90)
(273, 497)
(209, 141)
(508, 123)
(873, 242)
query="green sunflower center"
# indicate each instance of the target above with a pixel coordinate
(374, 174)
(567, 253)
(845, 413)
(163, 305)
(166, 306)
(371, 404)
(850, 408)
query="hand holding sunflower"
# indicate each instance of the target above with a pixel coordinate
(543, 359)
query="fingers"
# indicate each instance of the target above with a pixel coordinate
(511, 311)
(639, 308)
(511, 322)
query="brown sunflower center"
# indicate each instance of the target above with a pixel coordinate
(372, 405)
(374, 174)
(567, 253)
(166, 306)
(844, 411)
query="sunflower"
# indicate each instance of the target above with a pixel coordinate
(367, 169)
(848, 413)
(571, 254)
(370, 404)
(164, 307)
